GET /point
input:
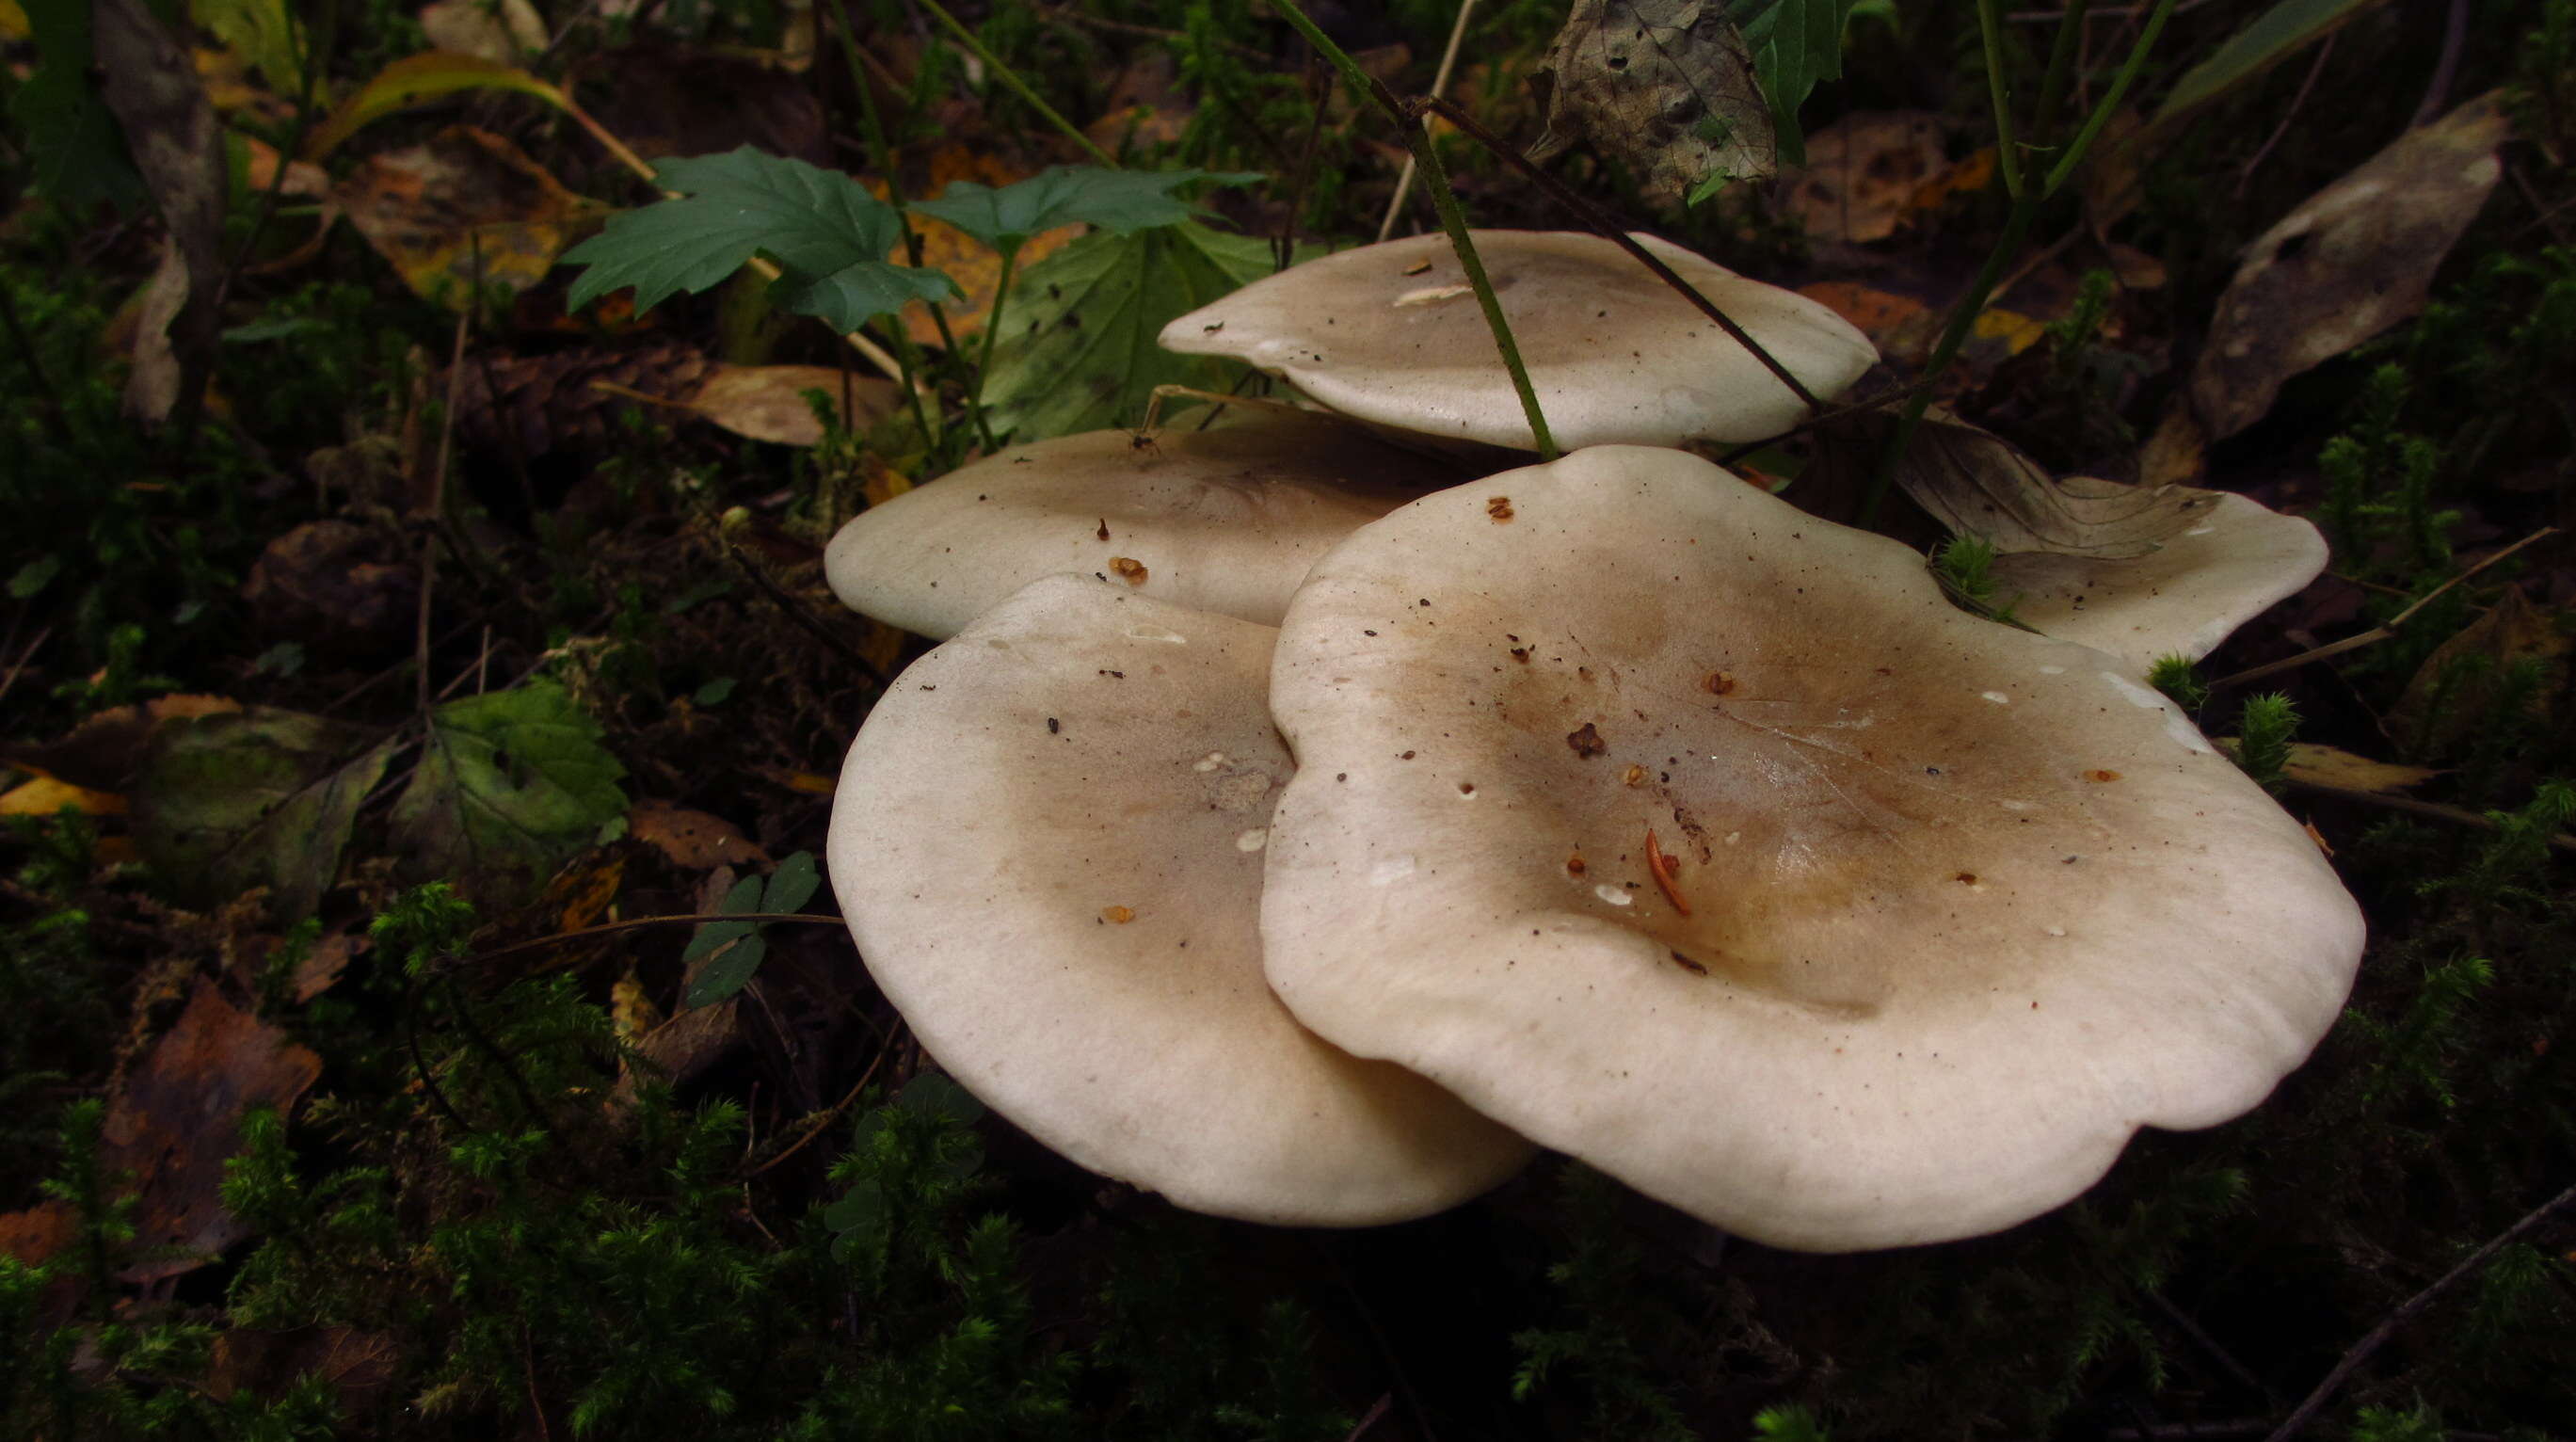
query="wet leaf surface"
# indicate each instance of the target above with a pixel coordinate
(260, 797)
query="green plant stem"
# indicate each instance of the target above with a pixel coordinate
(1436, 180)
(992, 328)
(881, 152)
(2061, 65)
(2025, 210)
(2101, 115)
(1990, 25)
(1004, 73)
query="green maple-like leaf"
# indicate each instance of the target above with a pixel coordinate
(1077, 348)
(509, 782)
(828, 235)
(1119, 201)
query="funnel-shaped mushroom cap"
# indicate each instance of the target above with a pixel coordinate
(2235, 561)
(1048, 842)
(1952, 909)
(1223, 520)
(1391, 333)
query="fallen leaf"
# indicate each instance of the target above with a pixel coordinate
(44, 796)
(664, 99)
(2355, 259)
(1864, 174)
(334, 586)
(466, 208)
(2453, 694)
(1875, 313)
(261, 797)
(693, 840)
(1144, 110)
(260, 32)
(2331, 766)
(580, 897)
(104, 751)
(1976, 483)
(1663, 87)
(148, 82)
(175, 1119)
(501, 31)
(509, 783)
(767, 403)
(421, 80)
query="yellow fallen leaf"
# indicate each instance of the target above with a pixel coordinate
(44, 796)
(2327, 766)
(2018, 332)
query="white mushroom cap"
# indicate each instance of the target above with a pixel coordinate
(1391, 333)
(2235, 560)
(1966, 906)
(1048, 843)
(1224, 520)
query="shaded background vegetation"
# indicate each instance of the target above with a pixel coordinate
(466, 1186)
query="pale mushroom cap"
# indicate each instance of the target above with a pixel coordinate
(1968, 906)
(1391, 333)
(1048, 843)
(2235, 561)
(1224, 520)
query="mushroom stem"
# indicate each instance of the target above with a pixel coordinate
(1436, 180)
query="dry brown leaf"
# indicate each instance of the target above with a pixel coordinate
(1976, 483)
(103, 752)
(2452, 693)
(148, 81)
(175, 1119)
(2329, 766)
(2355, 259)
(1876, 313)
(504, 32)
(1865, 174)
(44, 796)
(767, 403)
(693, 840)
(1649, 83)
(468, 195)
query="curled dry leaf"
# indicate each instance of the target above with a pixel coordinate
(695, 840)
(2453, 695)
(464, 208)
(767, 403)
(1977, 483)
(174, 1121)
(2357, 258)
(1864, 175)
(1664, 87)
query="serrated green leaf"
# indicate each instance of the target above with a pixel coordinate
(729, 971)
(792, 884)
(1076, 350)
(509, 782)
(1114, 200)
(260, 797)
(1796, 45)
(826, 232)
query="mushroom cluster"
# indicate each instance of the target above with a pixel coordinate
(1609, 805)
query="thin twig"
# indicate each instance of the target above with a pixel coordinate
(1610, 230)
(2455, 34)
(2429, 810)
(994, 67)
(1320, 80)
(9, 678)
(1439, 87)
(805, 620)
(2407, 1311)
(2315, 69)
(437, 506)
(824, 1121)
(606, 928)
(2378, 633)
(1375, 1413)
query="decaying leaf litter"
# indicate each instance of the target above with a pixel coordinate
(473, 571)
